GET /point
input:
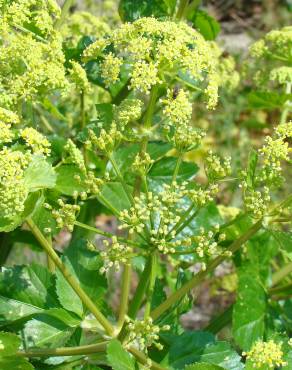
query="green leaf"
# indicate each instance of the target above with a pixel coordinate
(162, 172)
(9, 344)
(251, 168)
(284, 240)
(114, 194)
(39, 175)
(199, 346)
(84, 264)
(205, 24)
(249, 309)
(52, 328)
(267, 100)
(105, 114)
(8, 363)
(118, 358)
(203, 366)
(130, 10)
(66, 182)
(12, 310)
(29, 284)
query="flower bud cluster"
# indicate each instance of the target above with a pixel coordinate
(110, 69)
(7, 120)
(266, 355)
(143, 76)
(107, 141)
(144, 334)
(201, 196)
(128, 111)
(215, 168)
(256, 202)
(13, 189)
(114, 254)
(66, 215)
(206, 245)
(135, 219)
(75, 155)
(187, 138)
(79, 77)
(36, 141)
(142, 163)
(177, 107)
(275, 48)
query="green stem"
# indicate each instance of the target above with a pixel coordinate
(125, 295)
(70, 278)
(120, 177)
(82, 110)
(198, 278)
(25, 30)
(153, 263)
(64, 351)
(280, 275)
(106, 234)
(281, 289)
(182, 220)
(181, 9)
(108, 205)
(144, 360)
(65, 10)
(219, 322)
(177, 166)
(287, 105)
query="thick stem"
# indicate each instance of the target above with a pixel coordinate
(65, 10)
(281, 274)
(177, 166)
(126, 282)
(64, 351)
(151, 284)
(82, 110)
(198, 278)
(181, 9)
(70, 278)
(287, 106)
(144, 360)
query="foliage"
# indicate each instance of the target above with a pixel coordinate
(96, 117)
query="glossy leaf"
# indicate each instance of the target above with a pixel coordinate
(249, 309)
(33, 285)
(130, 10)
(39, 174)
(114, 194)
(118, 358)
(66, 182)
(205, 24)
(52, 328)
(84, 265)
(203, 366)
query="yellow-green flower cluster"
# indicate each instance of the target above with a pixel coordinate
(79, 77)
(187, 138)
(13, 189)
(266, 355)
(142, 163)
(154, 48)
(74, 155)
(215, 168)
(274, 50)
(81, 24)
(229, 77)
(7, 120)
(107, 141)
(36, 141)
(202, 196)
(177, 107)
(143, 334)
(38, 13)
(110, 69)
(127, 112)
(114, 254)
(31, 65)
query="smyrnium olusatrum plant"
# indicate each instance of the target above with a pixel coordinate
(135, 85)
